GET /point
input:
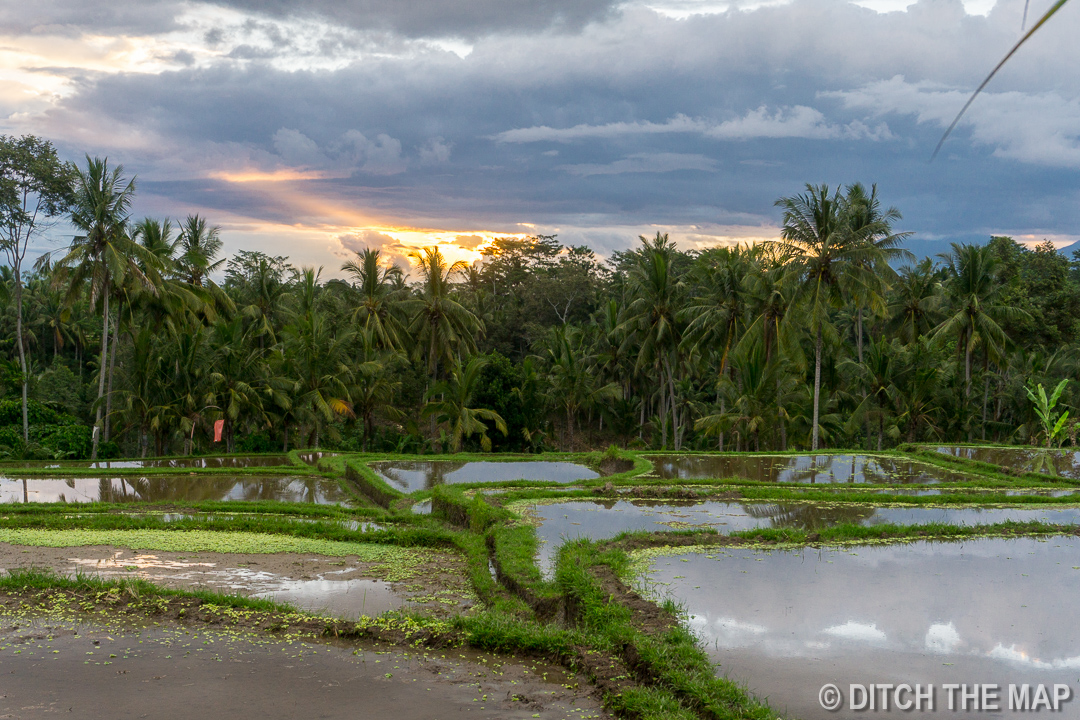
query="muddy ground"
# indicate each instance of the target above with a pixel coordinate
(338, 586)
(99, 670)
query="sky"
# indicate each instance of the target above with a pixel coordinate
(314, 128)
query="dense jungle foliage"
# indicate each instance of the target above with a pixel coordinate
(832, 337)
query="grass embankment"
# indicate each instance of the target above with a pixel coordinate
(679, 541)
(657, 649)
(927, 454)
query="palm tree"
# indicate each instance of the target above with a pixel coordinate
(105, 255)
(832, 262)
(976, 303)
(374, 387)
(199, 246)
(651, 324)
(440, 325)
(377, 285)
(877, 372)
(317, 359)
(571, 376)
(718, 313)
(977, 306)
(872, 225)
(916, 301)
(451, 401)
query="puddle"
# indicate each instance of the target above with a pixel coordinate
(422, 508)
(599, 520)
(313, 458)
(787, 622)
(51, 665)
(421, 475)
(877, 469)
(1059, 463)
(173, 488)
(323, 594)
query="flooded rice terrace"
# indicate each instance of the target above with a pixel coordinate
(1059, 463)
(409, 476)
(813, 469)
(107, 672)
(177, 462)
(788, 622)
(599, 520)
(173, 488)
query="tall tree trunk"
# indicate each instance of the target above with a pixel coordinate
(967, 387)
(570, 427)
(780, 416)
(859, 333)
(112, 367)
(22, 351)
(723, 410)
(101, 368)
(641, 425)
(817, 389)
(986, 396)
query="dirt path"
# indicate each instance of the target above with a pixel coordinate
(90, 671)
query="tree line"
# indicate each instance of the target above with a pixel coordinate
(139, 335)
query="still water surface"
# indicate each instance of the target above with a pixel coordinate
(787, 622)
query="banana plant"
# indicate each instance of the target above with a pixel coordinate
(1053, 423)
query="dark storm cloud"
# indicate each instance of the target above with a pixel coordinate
(635, 119)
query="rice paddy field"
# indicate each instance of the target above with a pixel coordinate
(615, 584)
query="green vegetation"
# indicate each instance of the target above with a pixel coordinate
(829, 338)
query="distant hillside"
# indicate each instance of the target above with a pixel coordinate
(1068, 250)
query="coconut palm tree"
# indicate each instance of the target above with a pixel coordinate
(450, 401)
(106, 255)
(873, 225)
(377, 284)
(199, 246)
(976, 303)
(316, 356)
(832, 262)
(440, 326)
(571, 375)
(651, 325)
(916, 301)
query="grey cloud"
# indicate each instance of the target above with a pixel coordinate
(75, 17)
(763, 101)
(798, 121)
(1041, 128)
(436, 18)
(644, 163)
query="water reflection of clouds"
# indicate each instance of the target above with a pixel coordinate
(421, 475)
(1006, 600)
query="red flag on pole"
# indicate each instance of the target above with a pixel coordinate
(219, 425)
